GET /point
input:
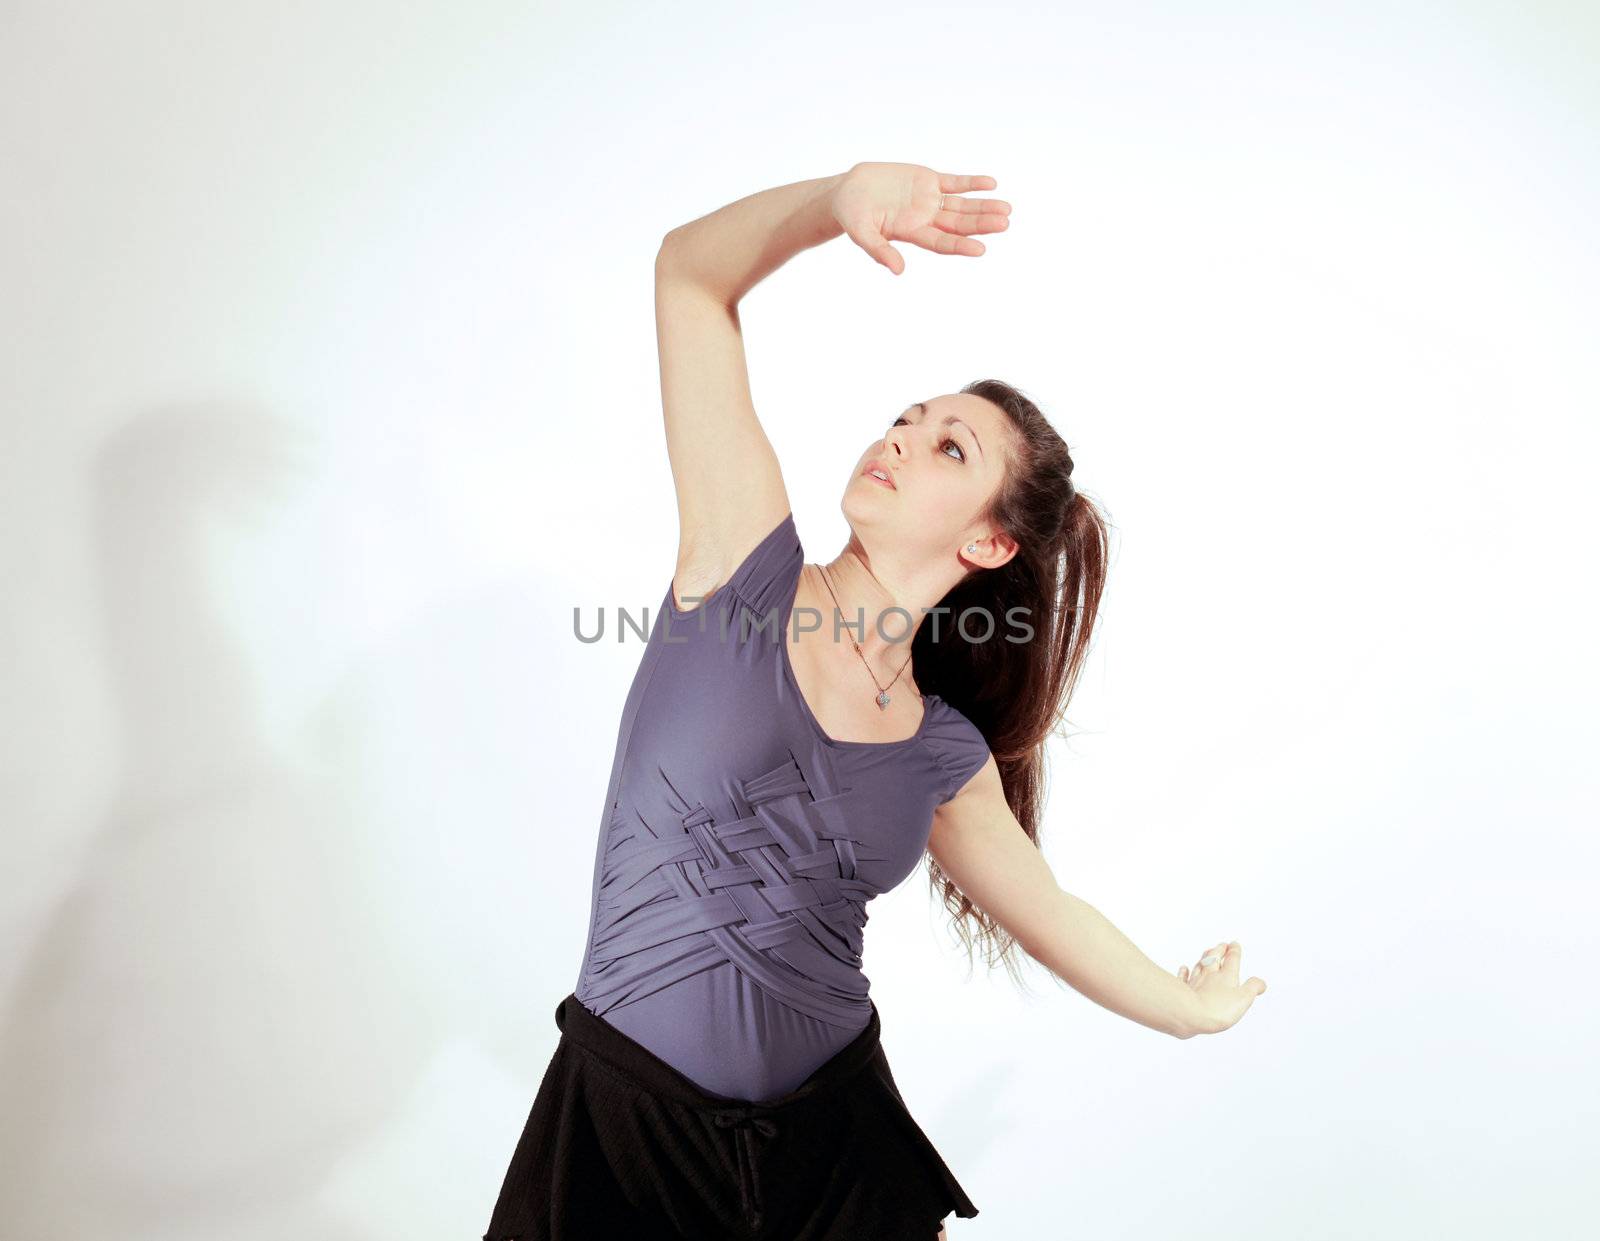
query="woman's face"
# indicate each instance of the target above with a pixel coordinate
(945, 458)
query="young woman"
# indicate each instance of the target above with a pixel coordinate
(719, 1072)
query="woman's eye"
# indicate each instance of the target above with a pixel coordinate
(953, 443)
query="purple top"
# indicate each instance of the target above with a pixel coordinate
(740, 843)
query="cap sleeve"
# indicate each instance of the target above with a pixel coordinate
(767, 577)
(959, 747)
(767, 569)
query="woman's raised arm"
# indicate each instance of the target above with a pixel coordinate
(729, 485)
(729, 251)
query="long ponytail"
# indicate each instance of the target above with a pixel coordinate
(1017, 692)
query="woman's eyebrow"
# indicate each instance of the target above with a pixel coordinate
(922, 407)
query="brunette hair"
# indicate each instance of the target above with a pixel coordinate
(1016, 691)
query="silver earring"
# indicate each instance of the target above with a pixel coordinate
(971, 547)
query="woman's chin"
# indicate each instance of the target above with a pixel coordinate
(869, 500)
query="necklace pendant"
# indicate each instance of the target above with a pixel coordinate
(883, 700)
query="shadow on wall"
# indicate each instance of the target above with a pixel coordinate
(206, 1020)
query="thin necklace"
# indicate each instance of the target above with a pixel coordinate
(883, 690)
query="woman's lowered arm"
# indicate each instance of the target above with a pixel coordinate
(979, 844)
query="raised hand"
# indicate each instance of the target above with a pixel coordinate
(879, 203)
(1215, 981)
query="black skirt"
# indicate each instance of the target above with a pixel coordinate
(620, 1144)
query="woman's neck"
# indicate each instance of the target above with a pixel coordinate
(874, 605)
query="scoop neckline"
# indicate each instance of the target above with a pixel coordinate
(805, 707)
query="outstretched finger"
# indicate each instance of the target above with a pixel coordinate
(968, 222)
(942, 242)
(996, 207)
(957, 183)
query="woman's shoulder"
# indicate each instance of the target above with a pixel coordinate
(957, 744)
(761, 573)
(770, 570)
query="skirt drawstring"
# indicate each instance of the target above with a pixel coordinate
(742, 1121)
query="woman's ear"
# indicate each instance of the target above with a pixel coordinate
(1002, 547)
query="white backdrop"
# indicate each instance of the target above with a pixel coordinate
(330, 392)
